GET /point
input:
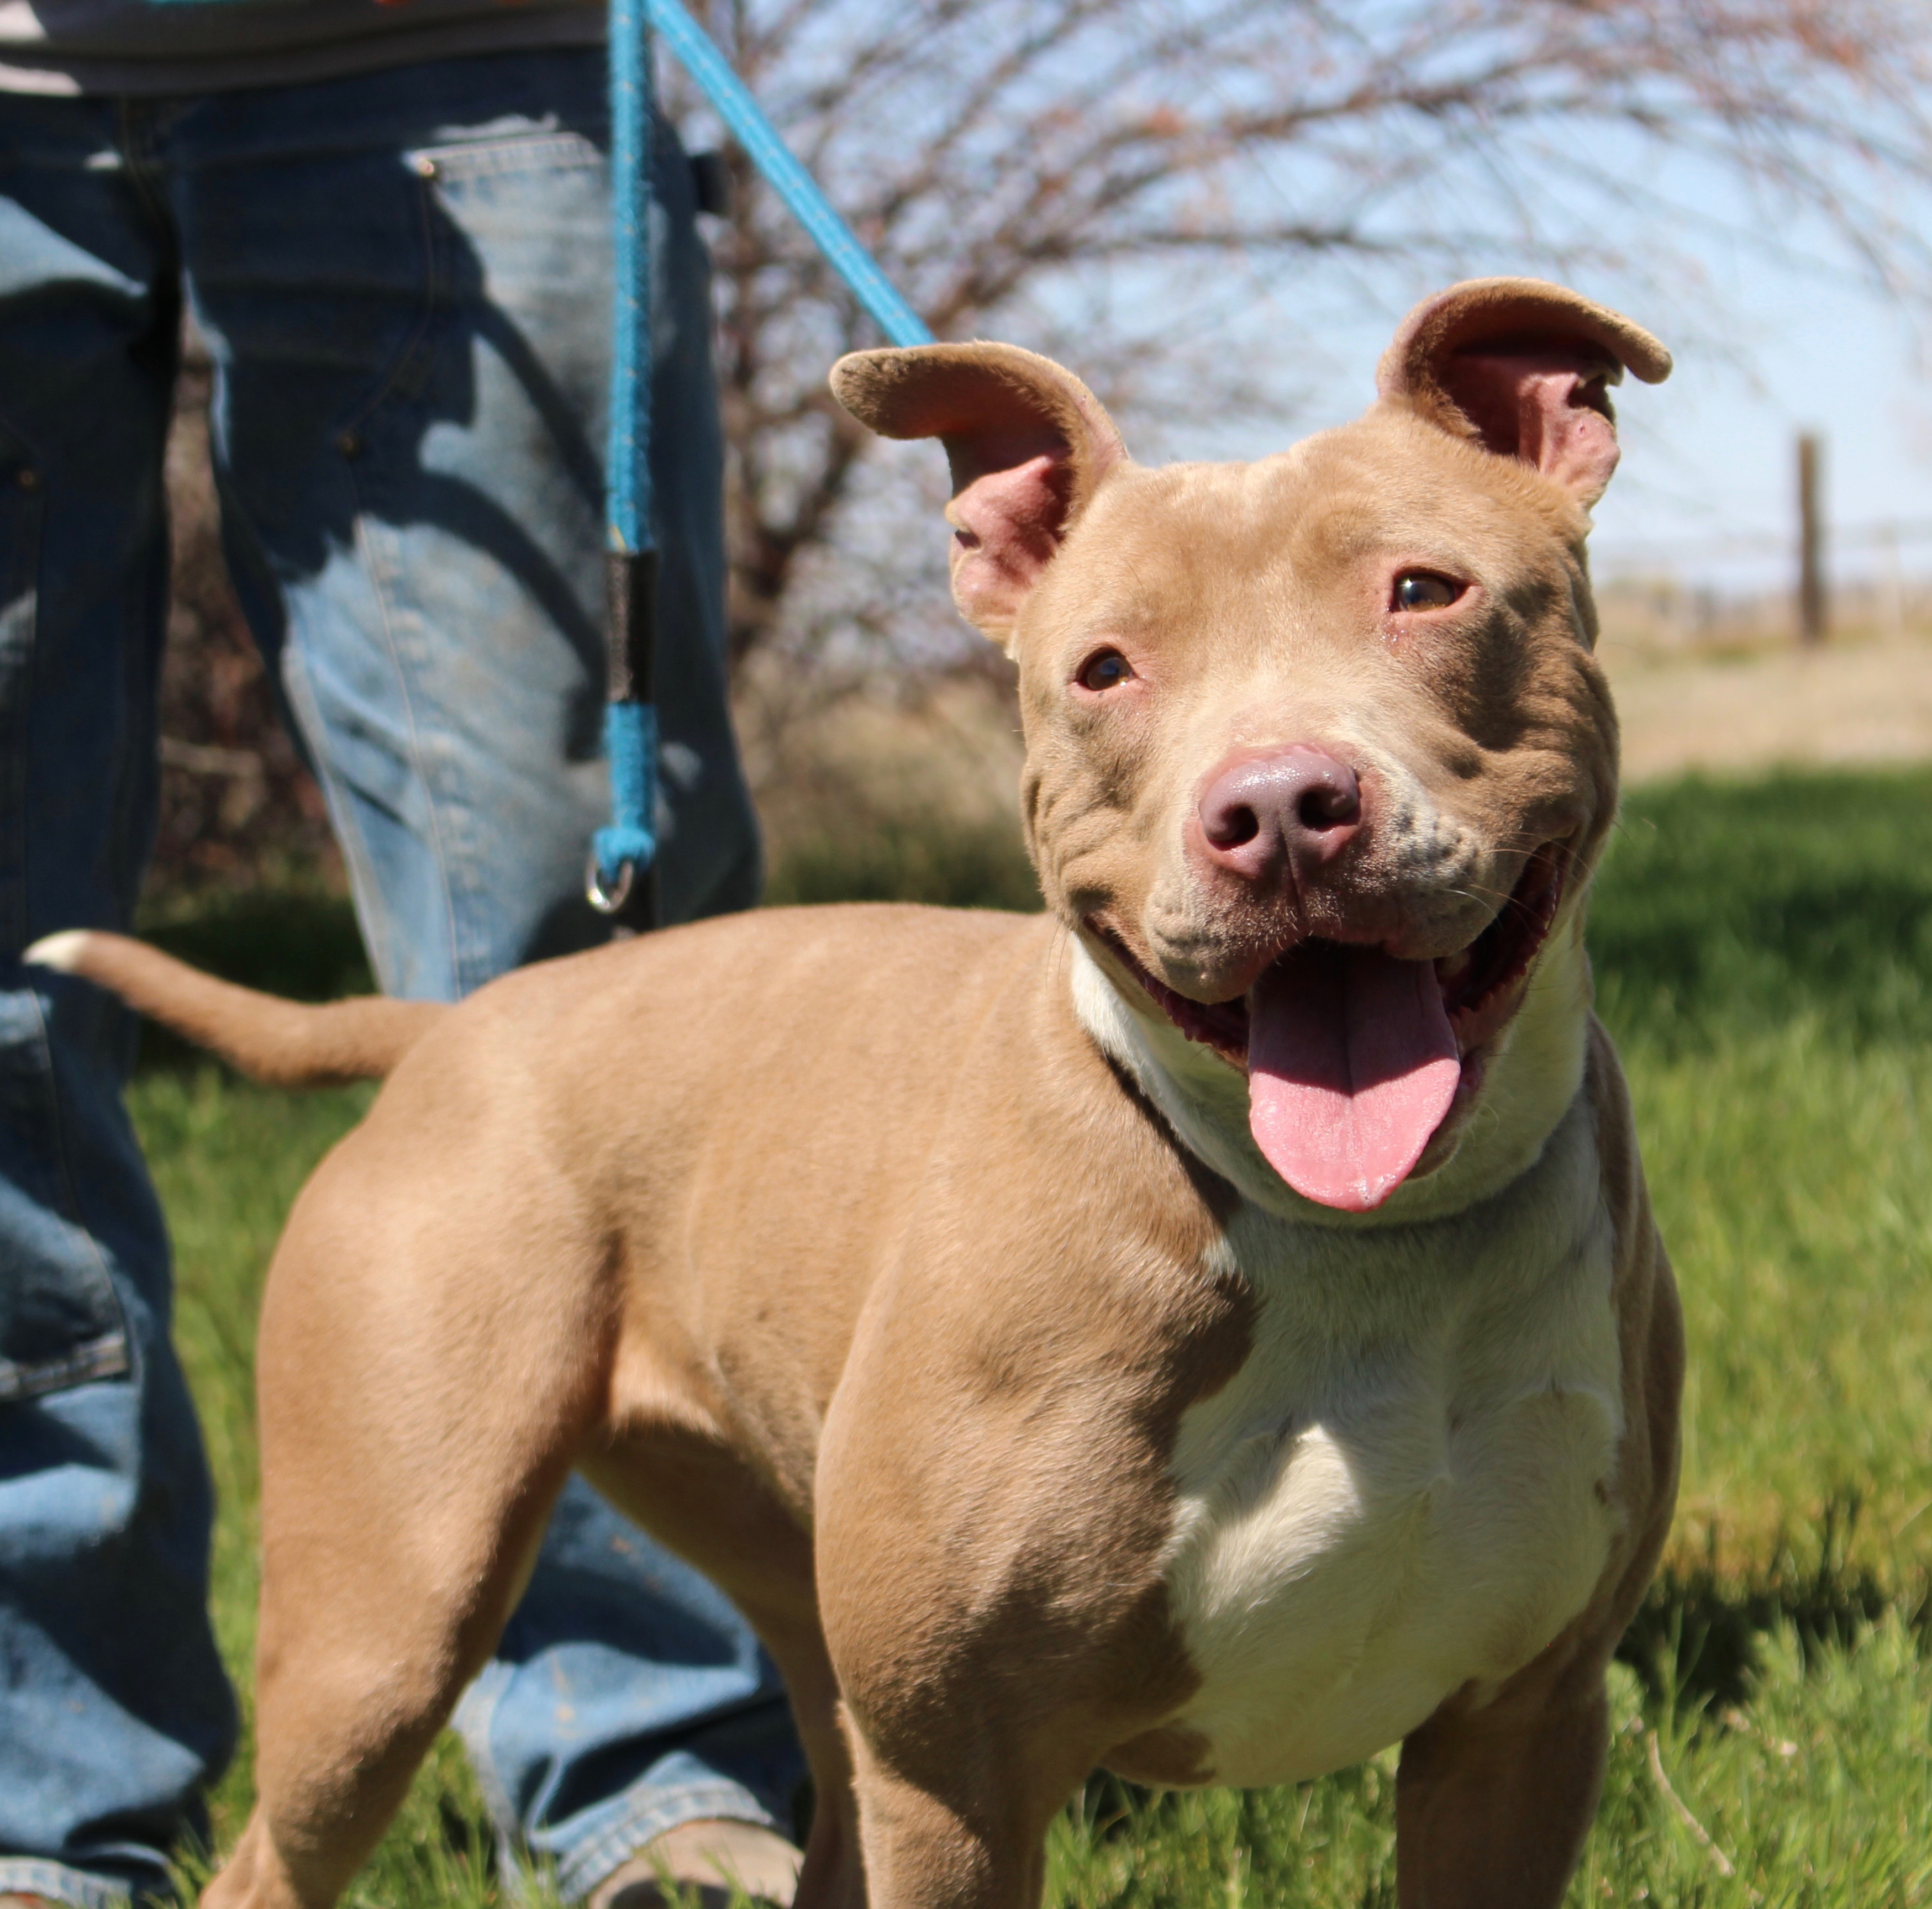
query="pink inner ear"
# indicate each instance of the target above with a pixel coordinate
(1010, 523)
(1546, 407)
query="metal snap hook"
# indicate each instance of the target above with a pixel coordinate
(608, 900)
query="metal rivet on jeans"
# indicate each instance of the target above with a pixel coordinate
(350, 443)
(28, 479)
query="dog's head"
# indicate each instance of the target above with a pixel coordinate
(1319, 759)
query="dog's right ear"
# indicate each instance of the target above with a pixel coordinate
(1522, 368)
(1027, 442)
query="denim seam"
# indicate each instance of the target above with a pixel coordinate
(452, 833)
(18, 747)
(134, 129)
(441, 768)
(140, 752)
(17, 710)
(371, 908)
(65, 1193)
(474, 1729)
(32, 1875)
(654, 1810)
(401, 371)
(379, 576)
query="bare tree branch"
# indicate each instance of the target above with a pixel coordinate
(1118, 177)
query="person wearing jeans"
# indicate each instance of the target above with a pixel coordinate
(392, 229)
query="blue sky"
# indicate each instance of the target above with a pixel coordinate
(1709, 456)
(1693, 236)
(1774, 328)
(1707, 488)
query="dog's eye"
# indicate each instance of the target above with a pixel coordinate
(1105, 670)
(1422, 589)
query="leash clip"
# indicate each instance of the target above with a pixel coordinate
(608, 898)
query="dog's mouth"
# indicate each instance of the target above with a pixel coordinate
(1355, 1058)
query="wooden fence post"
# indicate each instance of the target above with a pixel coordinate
(1813, 611)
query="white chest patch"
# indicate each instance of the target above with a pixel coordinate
(1404, 1488)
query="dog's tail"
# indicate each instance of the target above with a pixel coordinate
(285, 1044)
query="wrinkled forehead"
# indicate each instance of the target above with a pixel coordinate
(1207, 543)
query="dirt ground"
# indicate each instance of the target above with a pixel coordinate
(1857, 700)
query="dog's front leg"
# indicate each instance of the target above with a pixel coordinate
(994, 1637)
(989, 1646)
(964, 1742)
(1492, 1805)
(973, 1836)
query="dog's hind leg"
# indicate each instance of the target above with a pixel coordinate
(430, 1364)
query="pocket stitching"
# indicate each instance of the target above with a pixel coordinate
(463, 160)
(410, 364)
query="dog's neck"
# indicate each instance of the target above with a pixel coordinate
(1533, 1077)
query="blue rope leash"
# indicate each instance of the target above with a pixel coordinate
(630, 837)
(627, 478)
(620, 880)
(732, 101)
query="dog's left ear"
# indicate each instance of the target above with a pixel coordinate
(1524, 368)
(1027, 441)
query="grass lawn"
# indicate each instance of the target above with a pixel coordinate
(1765, 955)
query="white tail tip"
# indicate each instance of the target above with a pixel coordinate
(61, 951)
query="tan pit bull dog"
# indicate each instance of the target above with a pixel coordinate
(1212, 1330)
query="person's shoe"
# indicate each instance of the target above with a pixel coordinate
(715, 1856)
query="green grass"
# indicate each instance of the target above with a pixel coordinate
(1816, 1789)
(1728, 908)
(1765, 955)
(983, 866)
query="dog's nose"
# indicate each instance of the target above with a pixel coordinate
(1298, 806)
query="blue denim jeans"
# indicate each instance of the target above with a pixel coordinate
(404, 278)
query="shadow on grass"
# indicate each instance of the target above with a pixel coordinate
(1705, 1648)
(1700, 1631)
(1728, 905)
(300, 943)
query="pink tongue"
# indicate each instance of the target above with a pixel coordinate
(1351, 1066)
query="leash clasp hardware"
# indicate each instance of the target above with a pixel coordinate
(621, 880)
(608, 898)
